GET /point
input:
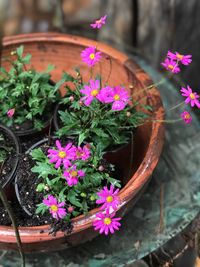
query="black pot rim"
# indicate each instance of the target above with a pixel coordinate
(18, 151)
(55, 117)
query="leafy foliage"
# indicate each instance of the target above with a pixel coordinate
(81, 196)
(29, 92)
(96, 123)
(4, 149)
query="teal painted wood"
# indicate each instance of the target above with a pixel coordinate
(178, 173)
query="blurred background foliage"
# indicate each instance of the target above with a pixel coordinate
(150, 27)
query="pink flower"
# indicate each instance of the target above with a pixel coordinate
(171, 65)
(72, 175)
(108, 198)
(55, 208)
(11, 112)
(99, 23)
(82, 153)
(185, 115)
(90, 91)
(90, 56)
(117, 95)
(191, 97)
(62, 155)
(106, 223)
(184, 59)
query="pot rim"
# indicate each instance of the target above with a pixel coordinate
(148, 163)
(13, 136)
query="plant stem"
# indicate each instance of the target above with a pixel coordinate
(12, 217)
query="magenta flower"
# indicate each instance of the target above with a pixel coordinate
(109, 198)
(55, 208)
(185, 115)
(90, 91)
(72, 175)
(62, 155)
(11, 112)
(90, 56)
(82, 153)
(171, 65)
(117, 95)
(106, 223)
(99, 23)
(184, 59)
(191, 97)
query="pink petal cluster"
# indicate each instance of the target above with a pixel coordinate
(62, 155)
(192, 98)
(99, 22)
(171, 65)
(90, 56)
(172, 61)
(90, 91)
(72, 175)
(11, 112)
(82, 153)
(106, 223)
(109, 198)
(184, 59)
(185, 115)
(117, 95)
(55, 207)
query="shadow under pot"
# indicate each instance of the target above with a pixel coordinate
(9, 159)
(27, 128)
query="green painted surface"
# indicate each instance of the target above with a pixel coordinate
(178, 172)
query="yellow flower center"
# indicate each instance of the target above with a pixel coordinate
(187, 116)
(170, 67)
(62, 154)
(109, 199)
(92, 56)
(192, 96)
(54, 208)
(78, 154)
(74, 173)
(107, 221)
(116, 97)
(94, 92)
(98, 21)
(179, 56)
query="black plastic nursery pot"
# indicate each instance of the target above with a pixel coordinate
(26, 129)
(10, 165)
(22, 190)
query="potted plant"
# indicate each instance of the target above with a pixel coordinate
(27, 96)
(9, 158)
(148, 141)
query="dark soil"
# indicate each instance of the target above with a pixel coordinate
(11, 157)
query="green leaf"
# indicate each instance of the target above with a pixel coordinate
(81, 138)
(50, 67)
(20, 51)
(38, 154)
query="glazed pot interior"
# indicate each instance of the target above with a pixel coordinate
(65, 57)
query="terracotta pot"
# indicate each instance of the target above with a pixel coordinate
(64, 52)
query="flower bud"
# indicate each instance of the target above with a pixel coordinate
(128, 113)
(80, 103)
(101, 168)
(71, 98)
(13, 53)
(11, 112)
(92, 198)
(83, 195)
(70, 209)
(40, 187)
